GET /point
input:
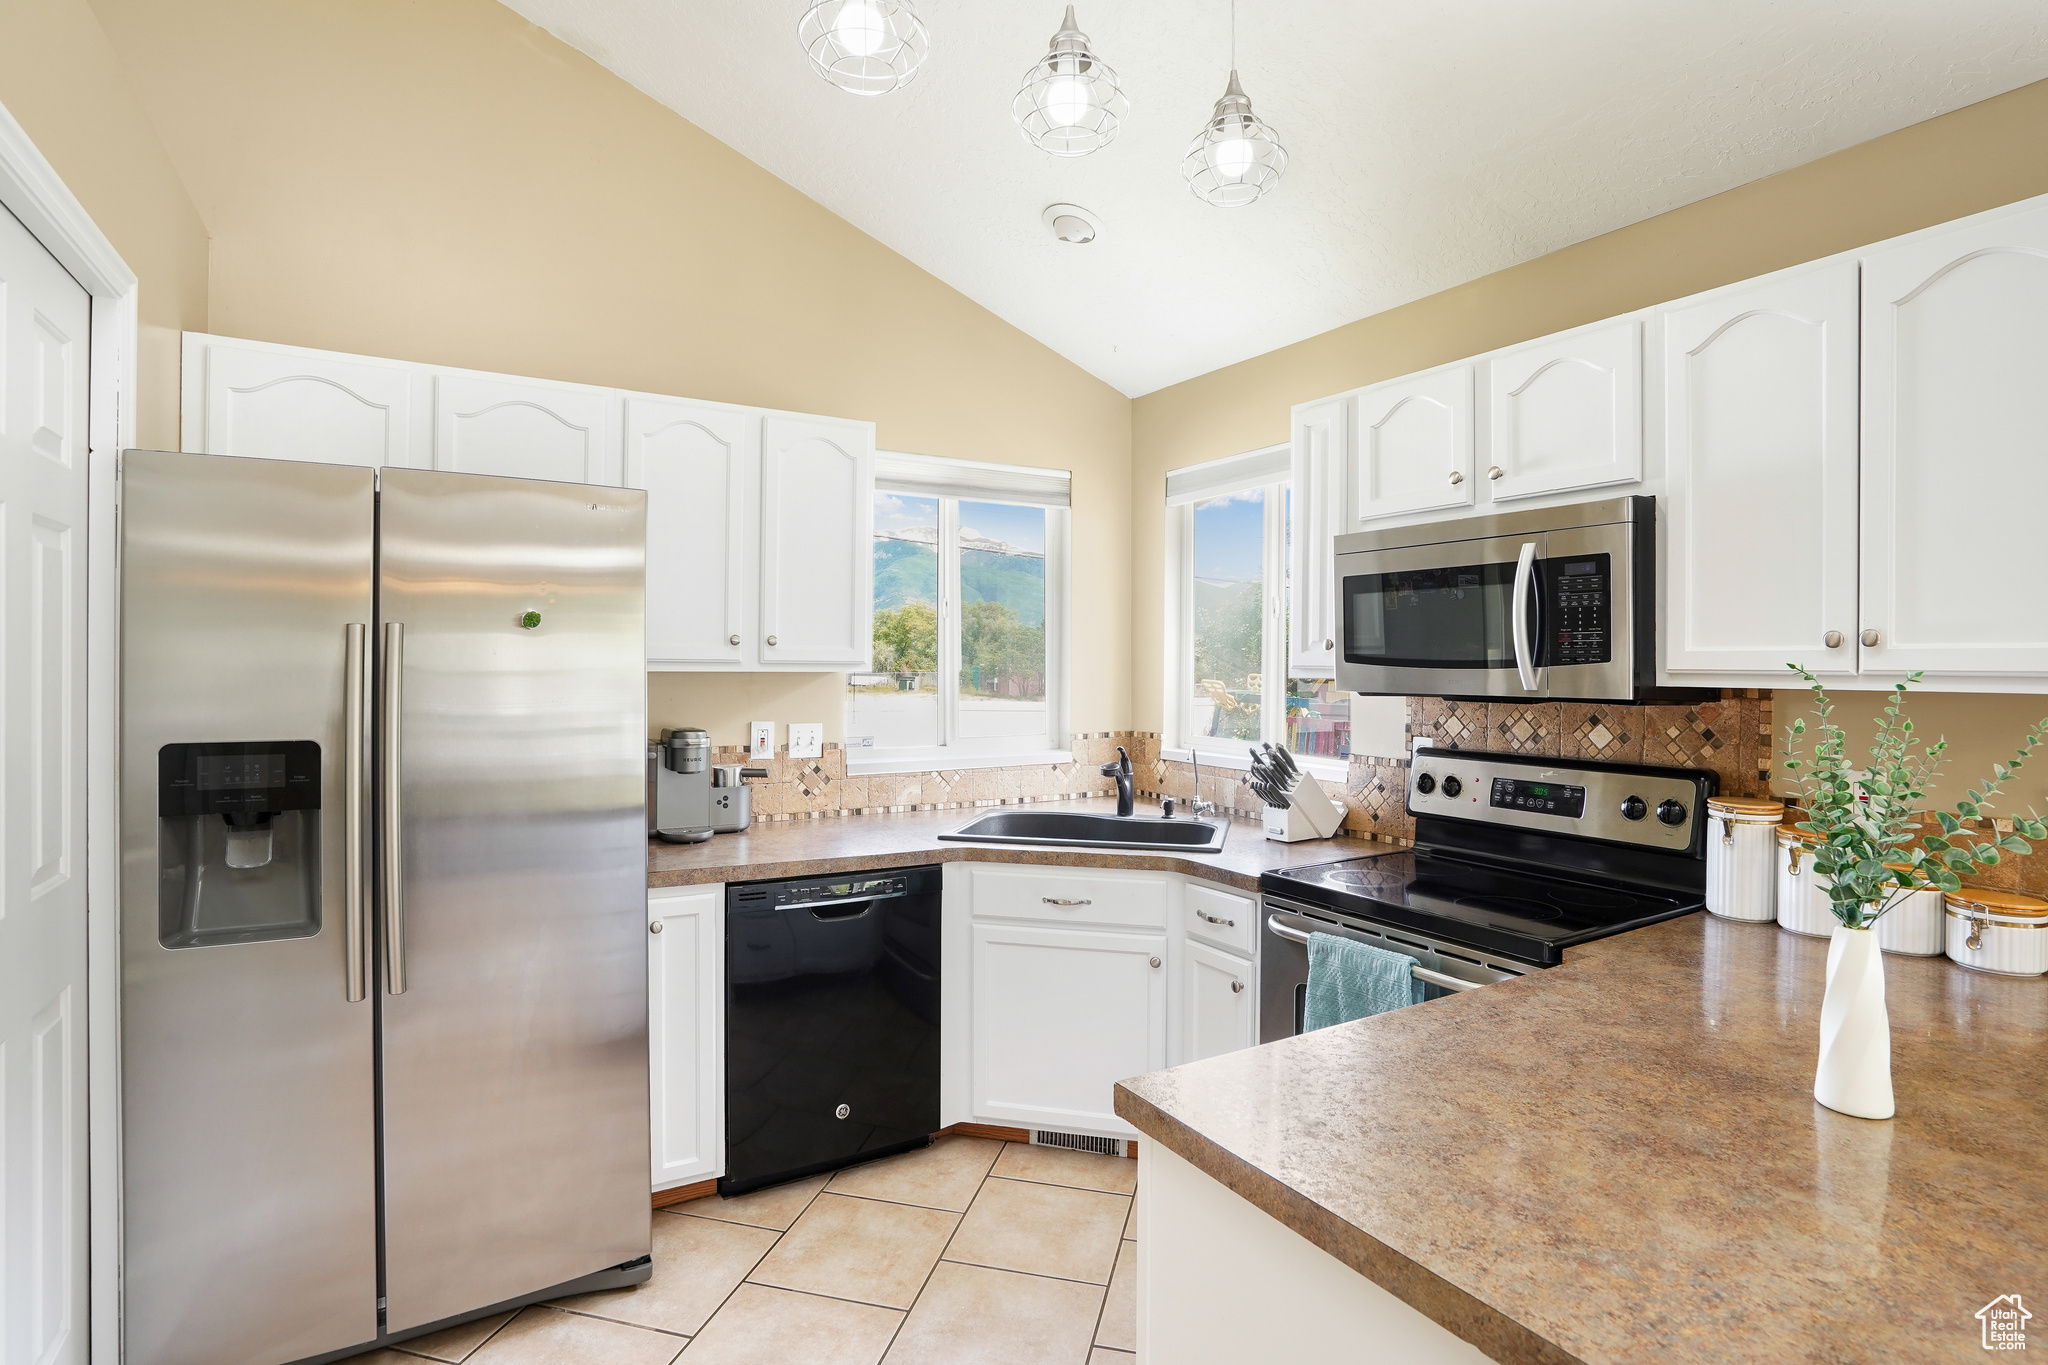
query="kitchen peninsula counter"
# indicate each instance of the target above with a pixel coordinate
(1620, 1159)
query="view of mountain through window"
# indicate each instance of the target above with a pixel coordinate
(1230, 607)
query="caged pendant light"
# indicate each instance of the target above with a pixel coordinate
(1235, 159)
(866, 47)
(1070, 103)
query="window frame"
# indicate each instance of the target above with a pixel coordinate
(954, 482)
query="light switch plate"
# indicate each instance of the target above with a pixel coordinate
(762, 744)
(806, 740)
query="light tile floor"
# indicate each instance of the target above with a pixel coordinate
(971, 1252)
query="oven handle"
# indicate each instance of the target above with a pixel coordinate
(1525, 578)
(1417, 970)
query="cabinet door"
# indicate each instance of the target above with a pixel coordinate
(685, 1054)
(1760, 449)
(290, 403)
(1217, 1003)
(817, 542)
(1568, 411)
(1955, 448)
(524, 429)
(1413, 447)
(692, 458)
(1321, 436)
(1060, 1016)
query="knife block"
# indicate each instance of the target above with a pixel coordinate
(1312, 816)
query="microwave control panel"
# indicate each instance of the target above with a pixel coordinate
(1581, 609)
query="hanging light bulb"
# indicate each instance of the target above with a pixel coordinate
(1070, 103)
(1235, 159)
(867, 47)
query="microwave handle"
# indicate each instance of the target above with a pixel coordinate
(1525, 579)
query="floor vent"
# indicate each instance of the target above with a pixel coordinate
(1074, 1142)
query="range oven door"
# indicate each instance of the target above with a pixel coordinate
(1283, 960)
(1534, 616)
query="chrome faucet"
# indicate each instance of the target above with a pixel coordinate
(1126, 798)
(1197, 807)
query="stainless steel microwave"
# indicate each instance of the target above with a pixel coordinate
(1556, 602)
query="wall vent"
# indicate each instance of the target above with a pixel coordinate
(1075, 1142)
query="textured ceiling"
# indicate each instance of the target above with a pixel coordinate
(1431, 142)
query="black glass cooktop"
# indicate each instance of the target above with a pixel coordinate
(1522, 914)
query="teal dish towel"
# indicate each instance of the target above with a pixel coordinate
(1351, 980)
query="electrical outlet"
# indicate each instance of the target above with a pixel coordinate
(806, 740)
(761, 747)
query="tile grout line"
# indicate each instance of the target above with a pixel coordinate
(765, 1254)
(941, 1259)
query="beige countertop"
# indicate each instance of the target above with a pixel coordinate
(1621, 1160)
(857, 843)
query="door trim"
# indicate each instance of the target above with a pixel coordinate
(32, 191)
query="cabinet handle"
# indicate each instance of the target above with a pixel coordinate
(771, 639)
(1870, 639)
(1226, 923)
(1495, 472)
(1456, 477)
(1051, 901)
(732, 639)
(1155, 962)
(654, 928)
(1833, 639)
(1236, 986)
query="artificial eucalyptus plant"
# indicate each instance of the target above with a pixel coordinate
(1866, 820)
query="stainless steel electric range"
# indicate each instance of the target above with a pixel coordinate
(1516, 859)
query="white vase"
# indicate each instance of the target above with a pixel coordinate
(1855, 1071)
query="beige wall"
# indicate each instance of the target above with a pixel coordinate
(1980, 730)
(61, 80)
(446, 183)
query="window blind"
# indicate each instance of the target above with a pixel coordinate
(928, 476)
(1233, 474)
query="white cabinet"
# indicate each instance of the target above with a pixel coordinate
(1567, 411)
(817, 541)
(1217, 1004)
(1760, 384)
(1412, 447)
(1321, 437)
(524, 429)
(1059, 1017)
(694, 460)
(1955, 447)
(288, 403)
(685, 1047)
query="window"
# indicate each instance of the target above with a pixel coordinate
(1229, 527)
(969, 617)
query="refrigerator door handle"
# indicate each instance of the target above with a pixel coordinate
(355, 794)
(394, 869)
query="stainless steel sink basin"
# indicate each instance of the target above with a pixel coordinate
(1078, 829)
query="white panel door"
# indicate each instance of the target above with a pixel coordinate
(817, 538)
(1060, 1016)
(693, 460)
(1760, 450)
(1217, 1003)
(1955, 448)
(1321, 437)
(685, 1046)
(291, 403)
(44, 316)
(1568, 411)
(1412, 448)
(524, 429)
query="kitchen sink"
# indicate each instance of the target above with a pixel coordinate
(1077, 829)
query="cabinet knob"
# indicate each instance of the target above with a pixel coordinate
(1155, 962)
(1236, 986)
(1495, 472)
(1329, 644)
(1870, 639)
(732, 639)
(1456, 477)
(771, 639)
(654, 928)
(1833, 639)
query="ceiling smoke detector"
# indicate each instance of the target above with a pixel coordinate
(1070, 223)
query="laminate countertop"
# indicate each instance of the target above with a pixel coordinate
(859, 843)
(1620, 1159)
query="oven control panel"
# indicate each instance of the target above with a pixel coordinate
(1651, 808)
(1550, 798)
(1581, 606)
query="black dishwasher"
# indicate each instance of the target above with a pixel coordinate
(831, 1022)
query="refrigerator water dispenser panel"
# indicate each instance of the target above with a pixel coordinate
(238, 852)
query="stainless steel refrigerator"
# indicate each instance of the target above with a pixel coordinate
(384, 1020)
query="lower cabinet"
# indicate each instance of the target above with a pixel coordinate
(1217, 1003)
(685, 1019)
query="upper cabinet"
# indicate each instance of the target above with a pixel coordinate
(524, 429)
(1411, 450)
(1567, 412)
(817, 539)
(1760, 464)
(1316, 464)
(289, 403)
(695, 461)
(1955, 447)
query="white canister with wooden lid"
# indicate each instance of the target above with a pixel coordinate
(1741, 846)
(1803, 904)
(1997, 931)
(1912, 926)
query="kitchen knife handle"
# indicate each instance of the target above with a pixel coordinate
(355, 791)
(390, 755)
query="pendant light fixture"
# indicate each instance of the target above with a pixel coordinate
(1235, 159)
(865, 47)
(1070, 103)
